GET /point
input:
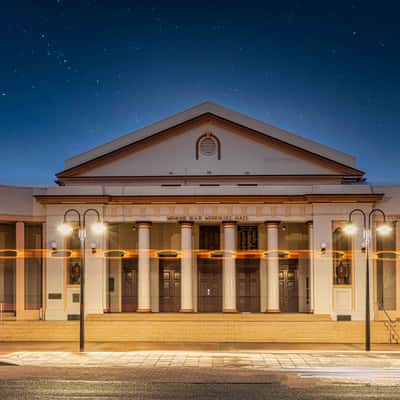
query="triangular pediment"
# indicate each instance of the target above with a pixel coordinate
(237, 149)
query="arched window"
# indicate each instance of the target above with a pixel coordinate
(208, 145)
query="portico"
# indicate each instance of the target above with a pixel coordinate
(206, 275)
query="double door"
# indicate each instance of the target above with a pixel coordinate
(209, 285)
(288, 286)
(209, 271)
(248, 285)
(169, 285)
(129, 285)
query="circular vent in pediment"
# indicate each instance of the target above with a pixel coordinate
(208, 146)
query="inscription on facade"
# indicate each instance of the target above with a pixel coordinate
(208, 218)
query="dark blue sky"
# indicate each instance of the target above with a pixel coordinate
(75, 74)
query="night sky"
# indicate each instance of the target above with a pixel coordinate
(75, 74)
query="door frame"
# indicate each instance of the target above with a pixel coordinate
(135, 267)
(258, 296)
(218, 265)
(287, 267)
(177, 295)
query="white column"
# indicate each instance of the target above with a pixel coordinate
(94, 269)
(20, 272)
(273, 266)
(144, 267)
(229, 268)
(311, 264)
(186, 268)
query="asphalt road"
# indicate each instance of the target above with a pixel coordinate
(65, 389)
(132, 383)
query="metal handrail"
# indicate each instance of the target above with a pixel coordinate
(391, 324)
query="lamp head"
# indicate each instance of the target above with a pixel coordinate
(98, 228)
(65, 228)
(350, 229)
(384, 229)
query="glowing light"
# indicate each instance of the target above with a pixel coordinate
(350, 229)
(64, 229)
(98, 228)
(384, 229)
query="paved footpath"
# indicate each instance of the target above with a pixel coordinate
(182, 375)
(345, 366)
(206, 359)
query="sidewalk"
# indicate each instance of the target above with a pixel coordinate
(254, 360)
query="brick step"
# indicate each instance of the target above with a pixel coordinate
(192, 331)
(7, 317)
(202, 317)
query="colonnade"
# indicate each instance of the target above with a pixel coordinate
(228, 267)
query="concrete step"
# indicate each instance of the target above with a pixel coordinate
(202, 317)
(183, 330)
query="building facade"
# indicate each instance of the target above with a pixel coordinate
(208, 211)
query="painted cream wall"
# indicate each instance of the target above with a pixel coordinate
(55, 272)
(19, 201)
(95, 271)
(391, 205)
(323, 262)
(391, 202)
(330, 299)
(58, 309)
(239, 155)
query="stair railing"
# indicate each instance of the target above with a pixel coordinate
(390, 324)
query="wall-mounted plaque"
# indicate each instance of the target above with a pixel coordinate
(55, 296)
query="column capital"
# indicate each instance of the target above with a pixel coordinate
(272, 223)
(225, 223)
(310, 223)
(186, 223)
(144, 223)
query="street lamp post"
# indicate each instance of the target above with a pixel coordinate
(382, 229)
(65, 228)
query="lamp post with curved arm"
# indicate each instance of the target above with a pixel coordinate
(65, 228)
(382, 229)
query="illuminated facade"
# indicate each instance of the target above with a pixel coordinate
(208, 211)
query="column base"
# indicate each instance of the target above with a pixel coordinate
(273, 310)
(230, 310)
(186, 310)
(310, 312)
(144, 310)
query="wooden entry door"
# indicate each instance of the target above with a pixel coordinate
(248, 285)
(129, 285)
(288, 286)
(209, 285)
(170, 285)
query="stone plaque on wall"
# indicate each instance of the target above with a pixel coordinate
(55, 296)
